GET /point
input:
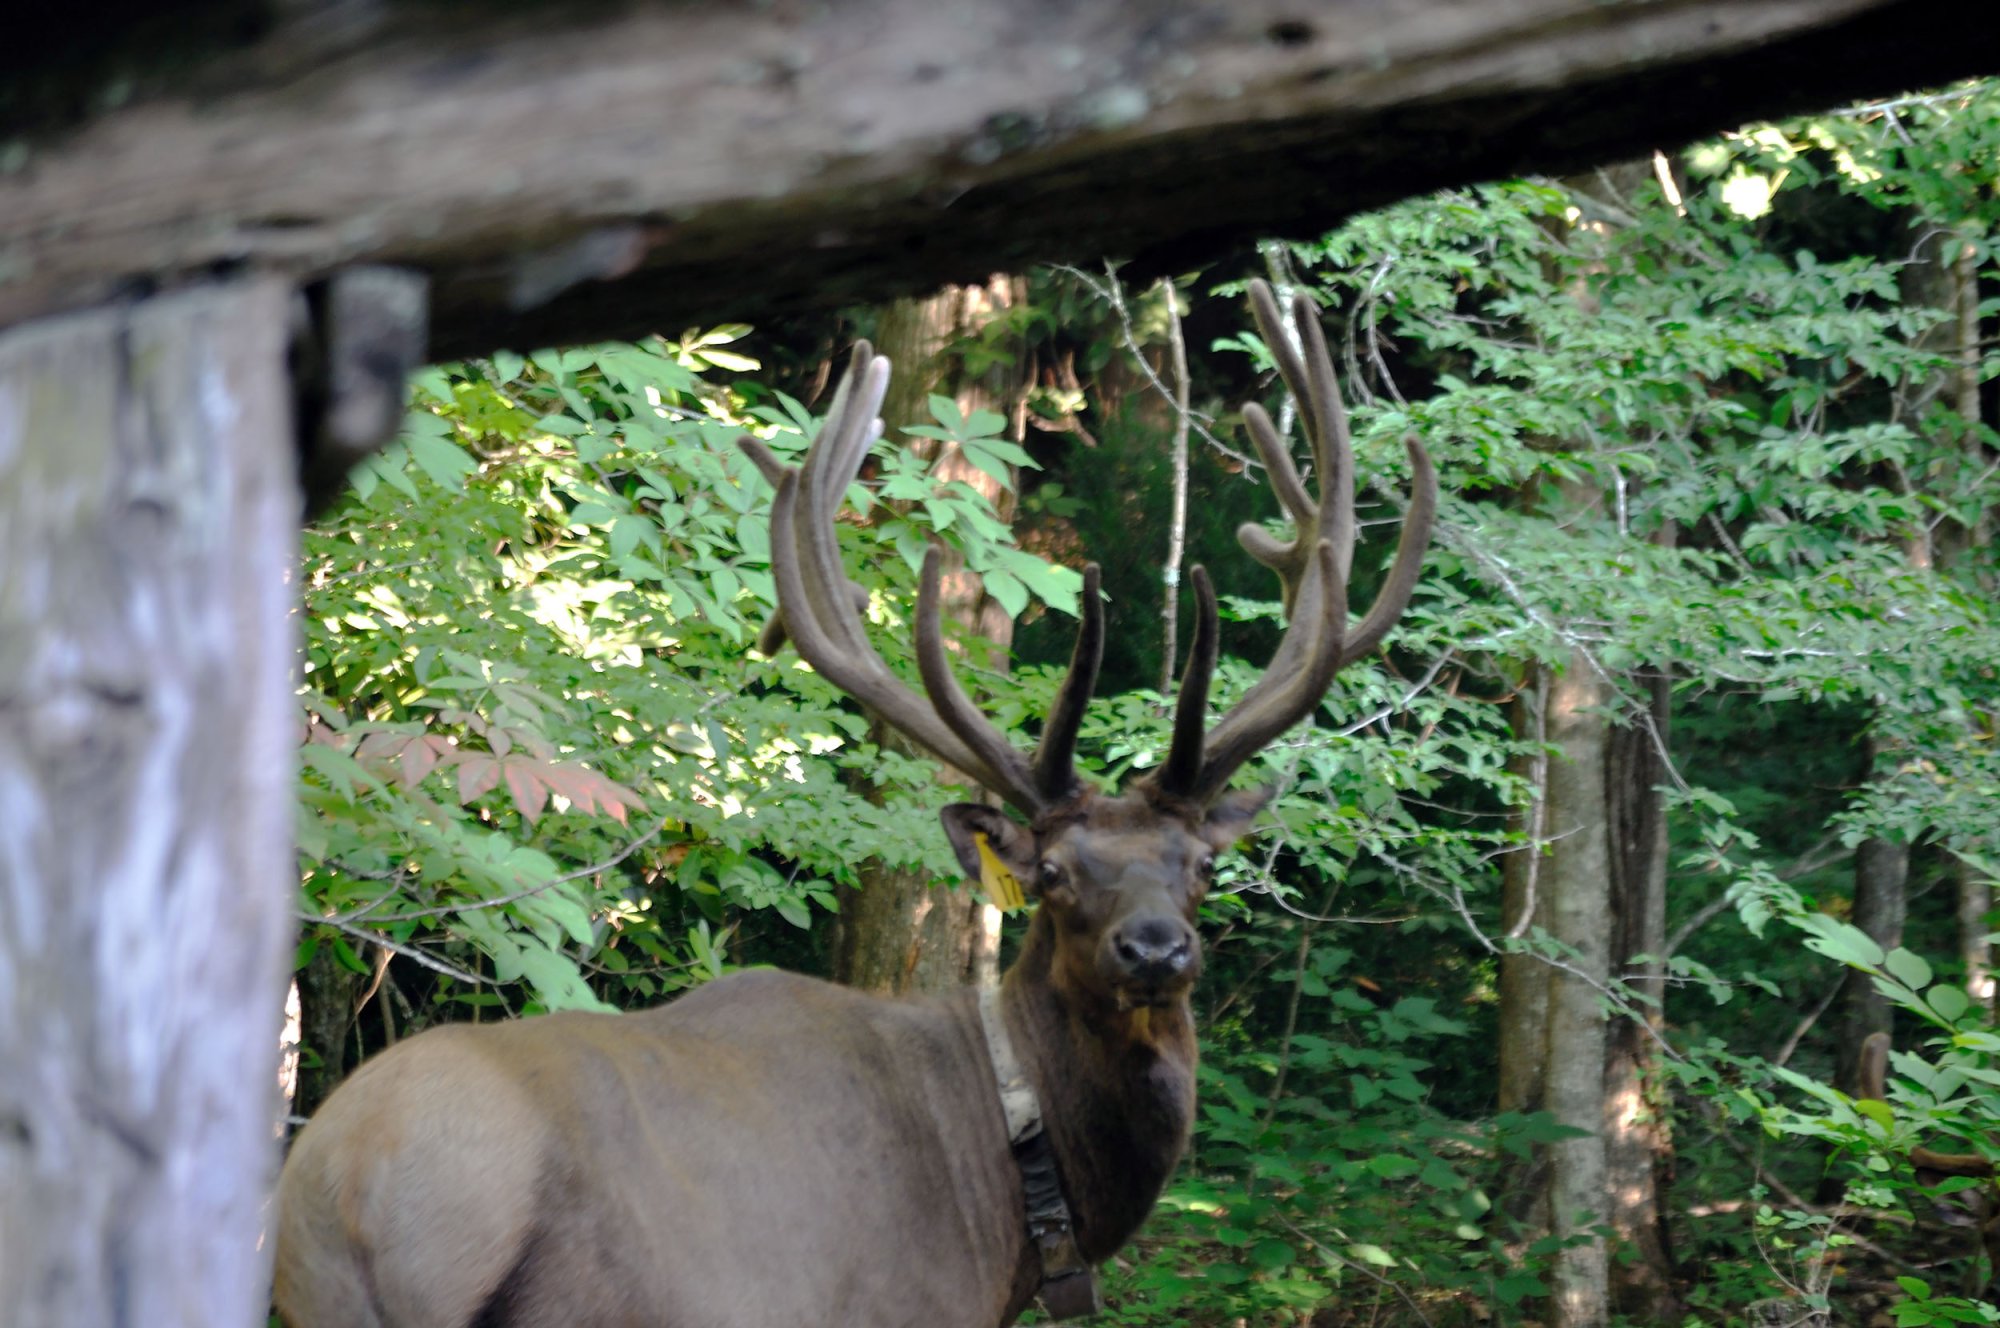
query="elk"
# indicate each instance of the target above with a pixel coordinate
(772, 1151)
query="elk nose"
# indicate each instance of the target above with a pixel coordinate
(1154, 951)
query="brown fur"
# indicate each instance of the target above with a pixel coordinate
(769, 1151)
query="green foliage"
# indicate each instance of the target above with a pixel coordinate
(1679, 445)
(540, 754)
(1943, 1096)
(1354, 1188)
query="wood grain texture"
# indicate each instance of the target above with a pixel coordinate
(148, 527)
(573, 171)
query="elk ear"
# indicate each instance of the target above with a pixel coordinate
(1230, 815)
(1011, 841)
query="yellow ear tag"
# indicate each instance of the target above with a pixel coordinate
(994, 878)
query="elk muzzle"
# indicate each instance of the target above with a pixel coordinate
(1150, 956)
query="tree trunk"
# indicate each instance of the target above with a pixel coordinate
(148, 528)
(1588, 817)
(1523, 911)
(1577, 875)
(1552, 1030)
(1524, 976)
(1881, 872)
(1970, 547)
(1637, 1139)
(904, 931)
(327, 991)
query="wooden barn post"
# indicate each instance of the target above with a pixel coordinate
(149, 513)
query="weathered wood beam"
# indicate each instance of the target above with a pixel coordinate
(148, 531)
(575, 170)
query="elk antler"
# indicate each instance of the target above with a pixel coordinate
(1312, 568)
(820, 610)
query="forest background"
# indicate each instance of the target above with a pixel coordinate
(1547, 993)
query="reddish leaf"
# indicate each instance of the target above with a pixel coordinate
(591, 792)
(524, 781)
(477, 773)
(326, 737)
(379, 749)
(423, 756)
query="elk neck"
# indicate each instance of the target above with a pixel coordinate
(1117, 1090)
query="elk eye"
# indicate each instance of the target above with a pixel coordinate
(1051, 875)
(1207, 867)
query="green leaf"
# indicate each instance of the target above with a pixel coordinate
(1908, 968)
(445, 462)
(1519, 1286)
(1371, 1254)
(558, 981)
(1271, 1255)
(349, 960)
(1393, 1166)
(1876, 1110)
(1949, 1002)
(625, 533)
(946, 412)
(1840, 941)
(563, 910)
(1008, 592)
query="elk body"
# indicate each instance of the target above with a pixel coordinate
(772, 1151)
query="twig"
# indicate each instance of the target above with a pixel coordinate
(1177, 518)
(500, 901)
(1791, 1044)
(1112, 294)
(1335, 1256)
(409, 952)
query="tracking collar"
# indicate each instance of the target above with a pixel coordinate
(1069, 1288)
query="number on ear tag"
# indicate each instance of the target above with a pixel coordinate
(999, 884)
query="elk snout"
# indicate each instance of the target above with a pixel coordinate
(1153, 954)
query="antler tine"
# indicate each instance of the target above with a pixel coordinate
(1180, 774)
(1328, 520)
(1325, 417)
(852, 423)
(1055, 754)
(1314, 566)
(817, 604)
(841, 448)
(859, 673)
(843, 438)
(1258, 718)
(1312, 384)
(1401, 582)
(1010, 777)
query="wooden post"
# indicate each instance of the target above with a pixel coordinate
(148, 529)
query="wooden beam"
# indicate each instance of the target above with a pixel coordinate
(148, 535)
(570, 170)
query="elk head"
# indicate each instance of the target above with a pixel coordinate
(1118, 877)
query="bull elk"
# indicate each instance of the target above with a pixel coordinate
(772, 1151)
